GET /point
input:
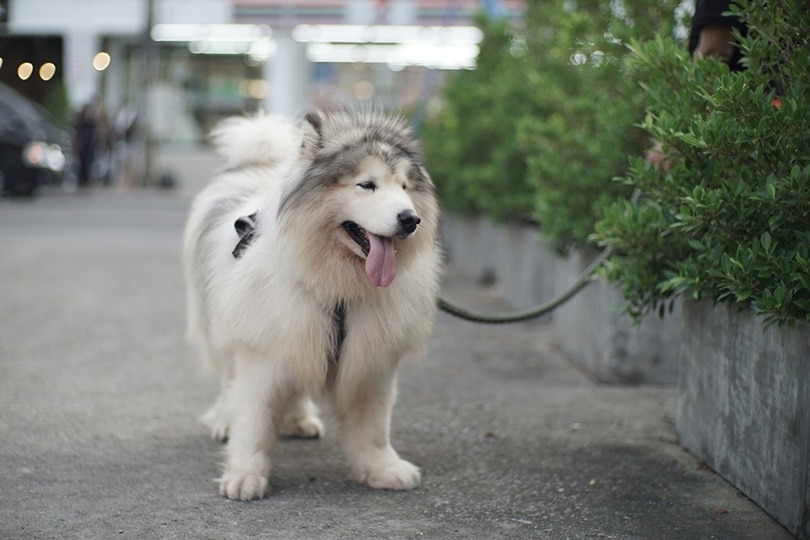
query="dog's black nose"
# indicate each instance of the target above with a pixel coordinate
(408, 220)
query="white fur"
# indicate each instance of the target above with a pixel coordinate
(262, 138)
(264, 320)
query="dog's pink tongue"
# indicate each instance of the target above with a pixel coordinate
(381, 263)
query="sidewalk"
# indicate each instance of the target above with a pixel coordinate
(99, 397)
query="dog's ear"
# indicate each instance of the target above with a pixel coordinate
(312, 126)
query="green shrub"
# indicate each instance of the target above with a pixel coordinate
(537, 132)
(730, 219)
(586, 107)
(470, 145)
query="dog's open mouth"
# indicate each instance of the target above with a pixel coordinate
(358, 234)
(381, 264)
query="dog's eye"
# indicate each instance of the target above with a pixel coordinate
(404, 185)
(370, 185)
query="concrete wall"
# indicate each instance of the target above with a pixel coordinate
(744, 406)
(590, 327)
(509, 255)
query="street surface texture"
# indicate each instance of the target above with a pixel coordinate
(99, 399)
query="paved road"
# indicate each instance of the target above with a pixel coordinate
(99, 395)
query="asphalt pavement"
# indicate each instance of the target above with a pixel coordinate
(99, 399)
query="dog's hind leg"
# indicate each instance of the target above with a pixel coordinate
(301, 420)
(364, 410)
(218, 417)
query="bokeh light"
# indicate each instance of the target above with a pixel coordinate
(101, 61)
(47, 71)
(25, 70)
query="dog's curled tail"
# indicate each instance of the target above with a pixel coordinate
(260, 139)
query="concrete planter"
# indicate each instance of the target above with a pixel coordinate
(589, 327)
(744, 406)
(743, 390)
(604, 341)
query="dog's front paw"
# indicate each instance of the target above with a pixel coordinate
(243, 486)
(399, 475)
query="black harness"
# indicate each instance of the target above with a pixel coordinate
(246, 229)
(339, 332)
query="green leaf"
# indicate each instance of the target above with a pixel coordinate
(742, 296)
(691, 140)
(765, 240)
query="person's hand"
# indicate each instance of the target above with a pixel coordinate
(717, 41)
(656, 157)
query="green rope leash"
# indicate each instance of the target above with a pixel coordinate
(518, 316)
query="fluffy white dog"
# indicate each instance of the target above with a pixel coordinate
(312, 268)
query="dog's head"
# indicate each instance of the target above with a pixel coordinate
(367, 169)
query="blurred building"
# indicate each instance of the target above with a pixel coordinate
(189, 63)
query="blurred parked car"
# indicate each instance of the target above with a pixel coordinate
(33, 150)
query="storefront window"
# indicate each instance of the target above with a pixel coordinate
(194, 91)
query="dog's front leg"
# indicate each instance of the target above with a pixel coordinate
(254, 396)
(364, 409)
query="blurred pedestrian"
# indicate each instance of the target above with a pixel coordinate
(84, 143)
(126, 145)
(103, 166)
